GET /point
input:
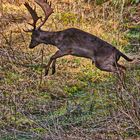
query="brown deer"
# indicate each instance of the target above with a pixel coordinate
(75, 42)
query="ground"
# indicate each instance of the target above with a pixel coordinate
(78, 102)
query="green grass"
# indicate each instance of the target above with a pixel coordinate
(78, 97)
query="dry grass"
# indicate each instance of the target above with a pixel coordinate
(79, 102)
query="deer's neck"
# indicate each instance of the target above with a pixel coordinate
(49, 37)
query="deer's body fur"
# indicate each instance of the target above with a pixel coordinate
(76, 42)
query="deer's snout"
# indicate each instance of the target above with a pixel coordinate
(33, 44)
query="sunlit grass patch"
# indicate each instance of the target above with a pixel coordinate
(79, 100)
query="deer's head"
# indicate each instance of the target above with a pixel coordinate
(36, 31)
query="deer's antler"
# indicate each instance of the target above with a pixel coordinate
(46, 7)
(34, 15)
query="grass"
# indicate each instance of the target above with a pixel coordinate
(78, 101)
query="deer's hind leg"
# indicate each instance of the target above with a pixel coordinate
(114, 68)
(121, 74)
(120, 71)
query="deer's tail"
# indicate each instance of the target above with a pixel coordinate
(125, 57)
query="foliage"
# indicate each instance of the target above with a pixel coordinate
(79, 101)
(115, 2)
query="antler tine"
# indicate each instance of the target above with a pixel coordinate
(50, 3)
(46, 7)
(33, 14)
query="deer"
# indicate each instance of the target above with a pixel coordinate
(73, 41)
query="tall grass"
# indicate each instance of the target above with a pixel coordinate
(79, 101)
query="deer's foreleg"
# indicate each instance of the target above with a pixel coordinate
(52, 61)
(53, 66)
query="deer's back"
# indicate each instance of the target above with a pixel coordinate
(83, 42)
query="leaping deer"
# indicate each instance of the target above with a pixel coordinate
(74, 42)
